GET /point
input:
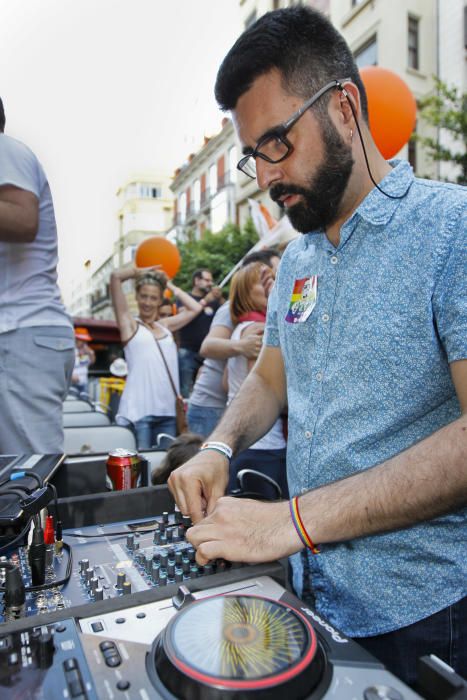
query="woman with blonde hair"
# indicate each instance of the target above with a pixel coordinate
(248, 303)
(148, 400)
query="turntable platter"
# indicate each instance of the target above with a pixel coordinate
(239, 645)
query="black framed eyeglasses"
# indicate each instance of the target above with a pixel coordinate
(274, 145)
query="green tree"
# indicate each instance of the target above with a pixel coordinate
(447, 111)
(218, 252)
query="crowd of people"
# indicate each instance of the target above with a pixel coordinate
(357, 372)
(194, 364)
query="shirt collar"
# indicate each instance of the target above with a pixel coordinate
(377, 208)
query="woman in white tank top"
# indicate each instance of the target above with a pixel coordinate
(148, 400)
(248, 304)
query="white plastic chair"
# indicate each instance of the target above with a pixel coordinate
(85, 419)
(76, 406)
(89, 440)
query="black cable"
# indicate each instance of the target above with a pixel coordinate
(20, 491)
(17, 538)
(115, 534)
(51, 584)
(54, 491)
(33, 475)
(60, 582)
(391, 196)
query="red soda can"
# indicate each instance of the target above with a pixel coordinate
(124, 469)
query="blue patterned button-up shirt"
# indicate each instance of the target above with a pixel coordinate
(367, 377)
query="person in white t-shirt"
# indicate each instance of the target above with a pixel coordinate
(148, 400)
(37, 345)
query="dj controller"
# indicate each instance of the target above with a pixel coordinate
(126, 612)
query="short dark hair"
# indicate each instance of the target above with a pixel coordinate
(199, 273)
(262, 256)
(2, 116)
(183, 448)
(298, 41)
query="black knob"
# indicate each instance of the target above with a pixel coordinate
(45, 650)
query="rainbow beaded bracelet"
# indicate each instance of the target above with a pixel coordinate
(300, 527)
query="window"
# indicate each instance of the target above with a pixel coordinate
(213, 179)
(233, 158)
(412, 151)
(413, 43)
(182, 207)
(150, 191)
(367, 55)
(196, 195)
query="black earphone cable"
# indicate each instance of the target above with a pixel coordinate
(391, 196)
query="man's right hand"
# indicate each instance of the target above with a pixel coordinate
(197, 485)
(251, 345)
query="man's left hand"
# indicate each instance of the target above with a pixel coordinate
(244, 530)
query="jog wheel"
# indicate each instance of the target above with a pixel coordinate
(237, 647)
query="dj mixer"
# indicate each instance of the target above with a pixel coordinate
(127, 613)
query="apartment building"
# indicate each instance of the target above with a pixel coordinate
(145, 209)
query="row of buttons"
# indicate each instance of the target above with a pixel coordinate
(112, 658)
(110, 653)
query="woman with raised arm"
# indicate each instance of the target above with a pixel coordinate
(148, 400)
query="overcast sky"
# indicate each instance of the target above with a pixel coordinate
(104, 89)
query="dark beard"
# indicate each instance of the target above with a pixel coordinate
(322, 199)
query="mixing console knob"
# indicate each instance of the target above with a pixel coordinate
(136, 545)
(194, 571)
(99, 593)
(169, 535)
(93, 584)
(171, 569)
(191, 553)
(163, 577)
(178, 516)
(208, 569)
(164, 559)
(186, 565)
(165, 517)
(157, 537)
(178, 574)
(120, 579)
(162, 526)
(176, 535)
(88, 575)
(178, 557)
(126, 587)
(45, 650)
(155, 571)
(84, 564)
(130, 542)
(171, 552)
(186, 521)
(148, 563)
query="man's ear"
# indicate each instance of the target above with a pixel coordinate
(350, 94)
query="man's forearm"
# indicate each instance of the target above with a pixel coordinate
(425, 481)
(250, 415)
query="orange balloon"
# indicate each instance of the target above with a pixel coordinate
(392, 109)
(157, 250)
